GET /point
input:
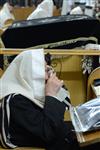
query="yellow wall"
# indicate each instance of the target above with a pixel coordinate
(69, 69)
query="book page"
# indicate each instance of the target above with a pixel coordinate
(86, 117)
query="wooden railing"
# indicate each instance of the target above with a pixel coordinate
(60, 52)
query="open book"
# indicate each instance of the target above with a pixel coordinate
(86, 117)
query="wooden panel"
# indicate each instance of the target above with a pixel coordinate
(21, 13)
(88, 138)
(56, 12)
(24, 148)
(1, 72)
(55, 52)
(69, 69)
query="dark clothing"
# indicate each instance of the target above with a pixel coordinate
(2, 2)
(26, 124)
(58, 3)
(36, 2)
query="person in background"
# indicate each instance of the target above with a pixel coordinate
(44, 9)
(32, 111)
(57, 3)
(6, 14)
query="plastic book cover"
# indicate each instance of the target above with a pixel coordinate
(86, 117)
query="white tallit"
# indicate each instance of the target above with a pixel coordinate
(44, 9)
(26, 76)
(76, 10)
(5, 14)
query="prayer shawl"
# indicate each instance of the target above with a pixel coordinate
(5, 14)
(26, 76)
(68, 31)
(44, 9)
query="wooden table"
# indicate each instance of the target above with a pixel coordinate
(88, 138)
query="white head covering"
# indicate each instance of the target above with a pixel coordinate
(26, 76)
(76, 10)
(44, 9)
(5, 14)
